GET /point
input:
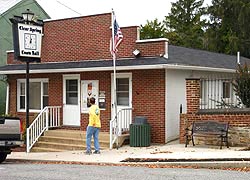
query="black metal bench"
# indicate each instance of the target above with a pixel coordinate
(206, 129)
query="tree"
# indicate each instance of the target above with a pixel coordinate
(242, 84)
(184, 22)
(228, 30)
(153, 29)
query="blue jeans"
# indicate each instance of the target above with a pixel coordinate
(92, 131)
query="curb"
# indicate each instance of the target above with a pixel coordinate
(150, 164)
(186, 160)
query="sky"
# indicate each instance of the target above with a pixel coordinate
(128, 12)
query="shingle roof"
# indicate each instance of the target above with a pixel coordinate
(194, 57)
(178, 56)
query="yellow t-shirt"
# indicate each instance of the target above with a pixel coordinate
(94, 116)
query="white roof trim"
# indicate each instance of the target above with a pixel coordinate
(200, 68)
(9, 51)
(151, 40)
(83, 69)
(159, 66)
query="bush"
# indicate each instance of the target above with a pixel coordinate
(242, 84)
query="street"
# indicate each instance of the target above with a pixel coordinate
(13, 171)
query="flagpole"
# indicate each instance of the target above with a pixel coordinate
(114, 80)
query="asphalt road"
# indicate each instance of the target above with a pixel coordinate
(13, 171)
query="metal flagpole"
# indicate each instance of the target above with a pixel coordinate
(114, 83)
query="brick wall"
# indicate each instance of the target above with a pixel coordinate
(239, 123)
(148, 97)
(151, 48)
(149, 100)
(88, 38)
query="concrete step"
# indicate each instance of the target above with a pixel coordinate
(69, 147)
(41, 149)
(60, 146)
(74, 134)
(67, 140)
(62, 140)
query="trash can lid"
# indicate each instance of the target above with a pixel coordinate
(141, 120)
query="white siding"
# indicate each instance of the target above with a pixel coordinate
(175, 95)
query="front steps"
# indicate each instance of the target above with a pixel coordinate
(67, 140)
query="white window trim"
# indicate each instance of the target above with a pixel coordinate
(122, 75)
(19, 81)
(230, 90)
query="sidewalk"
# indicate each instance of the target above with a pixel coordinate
(173, 154)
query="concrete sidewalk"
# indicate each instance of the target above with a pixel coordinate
(173, 153)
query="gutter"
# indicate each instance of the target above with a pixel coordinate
(39, 71)
(200, 68)
(135, 67)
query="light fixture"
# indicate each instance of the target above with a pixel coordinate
(136, 53)
(28, 15)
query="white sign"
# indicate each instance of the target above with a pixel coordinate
(30, 40)
(89, 88)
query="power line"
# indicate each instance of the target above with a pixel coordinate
(69, 8)
(13, 8)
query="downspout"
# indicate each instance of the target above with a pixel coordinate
(7, 99)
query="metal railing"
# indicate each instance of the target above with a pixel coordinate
(218, 94)
(48, 117)
(120, 124)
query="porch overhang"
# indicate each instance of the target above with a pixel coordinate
(105, 65)
(83, 66)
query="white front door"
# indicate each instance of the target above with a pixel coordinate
(123, 94)
(71, 100)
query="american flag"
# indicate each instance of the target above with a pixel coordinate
(118, 37)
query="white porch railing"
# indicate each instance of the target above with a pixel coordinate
(119, 124)
(48, 117)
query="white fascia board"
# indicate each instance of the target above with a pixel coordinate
(158, 66)
(200, 68)
(83, 69)
(151, 40)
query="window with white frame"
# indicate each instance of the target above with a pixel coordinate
(226, 89)
(122, 91)
(38, 94)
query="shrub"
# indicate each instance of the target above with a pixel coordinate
(242, 84)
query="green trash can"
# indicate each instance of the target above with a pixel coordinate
(140, 135)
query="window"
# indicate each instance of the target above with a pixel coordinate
(38, 94)
(226, 89)
(122, 91)
(72, 91)
(45, 95)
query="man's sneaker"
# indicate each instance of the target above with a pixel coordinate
(88, 152)
(96, 152)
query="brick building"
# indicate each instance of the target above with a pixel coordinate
(76, 63)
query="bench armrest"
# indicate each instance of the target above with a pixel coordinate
(187, 131)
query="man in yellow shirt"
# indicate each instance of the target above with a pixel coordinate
(93, 127)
